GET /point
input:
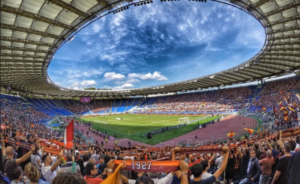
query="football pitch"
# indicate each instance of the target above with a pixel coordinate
(136, 126)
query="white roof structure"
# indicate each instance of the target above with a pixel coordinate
(33, 30)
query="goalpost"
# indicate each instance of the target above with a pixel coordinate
(184, 120)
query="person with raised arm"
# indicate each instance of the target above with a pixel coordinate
(9, 163)
(197, 170)
(49, 169)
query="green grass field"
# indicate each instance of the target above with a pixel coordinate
(136, 126)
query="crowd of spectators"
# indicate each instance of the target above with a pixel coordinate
(94, 106)
(210, 101)
(262, 158)
(275, 92)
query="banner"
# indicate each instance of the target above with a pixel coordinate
(150, 166)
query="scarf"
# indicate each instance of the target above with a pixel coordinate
(150, 166)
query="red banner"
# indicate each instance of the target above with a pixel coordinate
(150, 166)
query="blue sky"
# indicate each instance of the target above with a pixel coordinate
(156, 44)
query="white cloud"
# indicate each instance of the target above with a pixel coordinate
(155, 76)
(132, 80)
(95, 28)
(123, 86)
(88, 83)
(113, 76)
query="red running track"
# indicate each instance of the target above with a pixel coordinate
(217, 131)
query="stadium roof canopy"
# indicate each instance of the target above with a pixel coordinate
(33, 30)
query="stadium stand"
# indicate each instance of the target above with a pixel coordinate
(32, 31)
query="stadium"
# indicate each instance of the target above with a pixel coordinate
(203, 129)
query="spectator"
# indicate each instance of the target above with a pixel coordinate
(219, 162)
(10, 163)
(49, 170)
(144, 180)
(91, 172)
(36, 159)
(253, 169)
(69, 178)
(294, 168)
(16, 176)
(33, 175)
(197, 171)
(281, 173)
(69, 165)
(267, 164)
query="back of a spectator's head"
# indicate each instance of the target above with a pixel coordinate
(85, 158)
(92, 160)
(68, 178)
(16, 174)
(69, 158)
(293, 145)
(153, 174)
(269, 153)
(204, 164)
(197, 170)
(9, 151)
(32, 173)
(106, 158)
(144, 180)
(287, 147)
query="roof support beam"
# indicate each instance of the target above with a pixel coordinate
(223, 81)
(287, 49)
(30, 31)
(259, 3)
(253, 74)
(282, 21)
(284, 37)
(69, 7)
(227, 75)
(282, 64)
(272, 66)
(284, 55)
(269, 70)
(287, 29)
(258, 72)
(24, 41)
(282, 60)
(281, 9)
(20, 60)
(24, 49)
(286, 43)
(239, 76)
(34, 16)
(20, 55)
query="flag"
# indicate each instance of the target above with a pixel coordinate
(291, 109)
(285, 99)
(298, 96)
(281, 92)
(274, 111)
(69, 132)
(282, 108)
(249, 130)
(280, 104)
(231, 134)
(294, 104)
(264, 109)
(113, 177)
